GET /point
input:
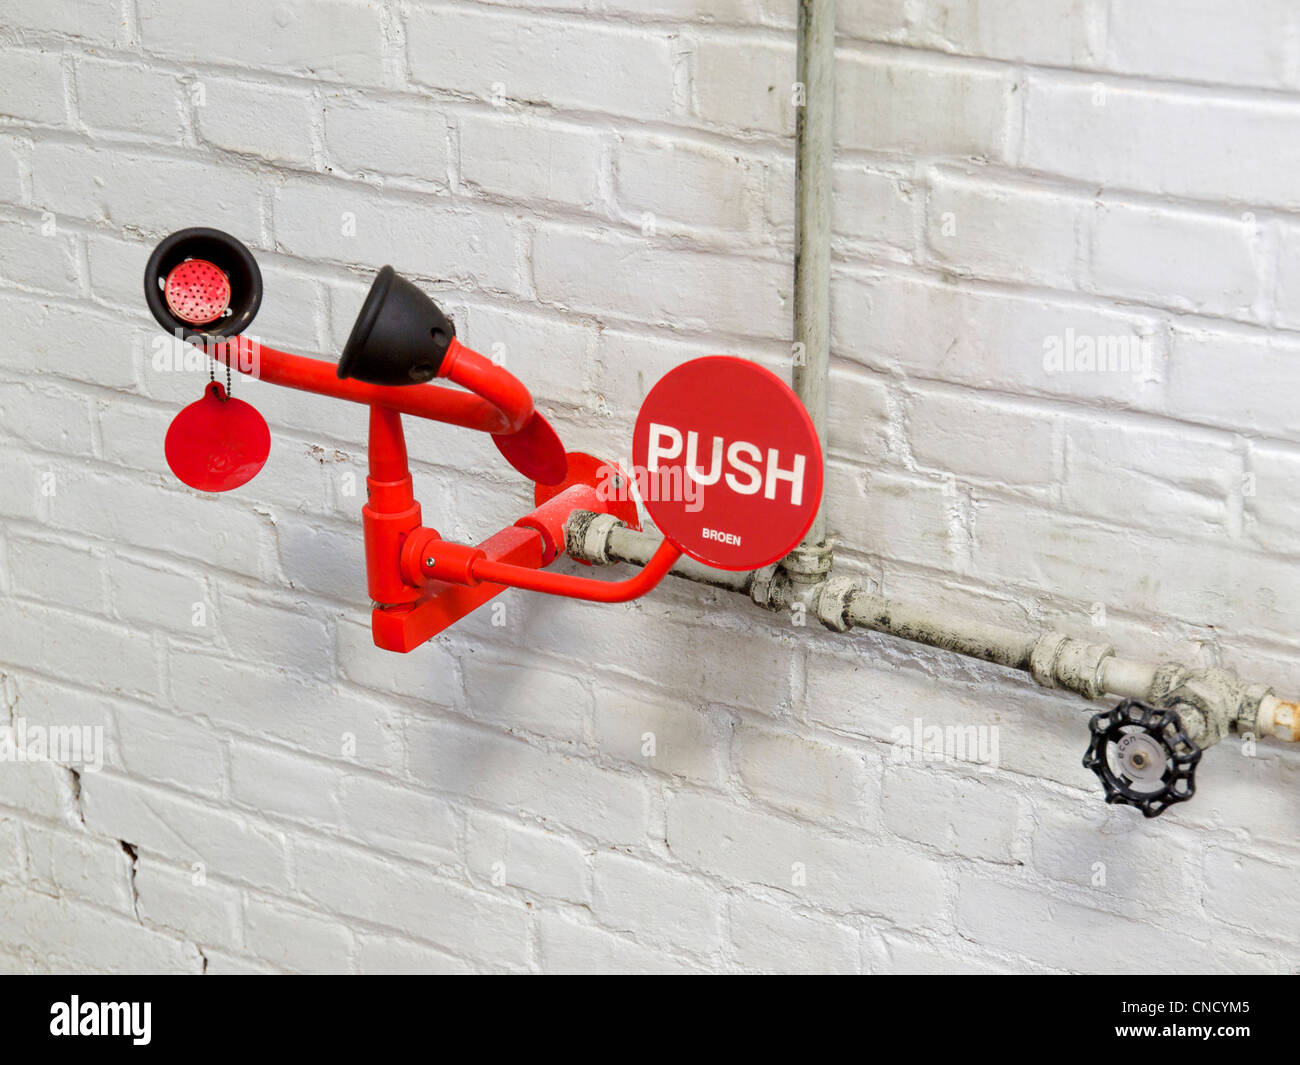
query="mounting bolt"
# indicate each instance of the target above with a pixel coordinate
(429, 562)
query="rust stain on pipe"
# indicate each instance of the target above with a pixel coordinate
(1286, 720)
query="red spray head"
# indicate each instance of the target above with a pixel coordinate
(197, 291)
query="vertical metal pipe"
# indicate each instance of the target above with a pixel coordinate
(814, 143)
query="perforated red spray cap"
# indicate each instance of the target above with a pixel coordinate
(197, 291)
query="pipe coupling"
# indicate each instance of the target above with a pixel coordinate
(1280, 718)
(768, 587)
(809, 563)
(586, 536)
(1060, 661)
(1212, 702)
(833, 600)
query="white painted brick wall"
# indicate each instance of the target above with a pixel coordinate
(598, 190)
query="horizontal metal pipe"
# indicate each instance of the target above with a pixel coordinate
(1053, 659)
(629, 545)
(1128, 679)
(990, 643)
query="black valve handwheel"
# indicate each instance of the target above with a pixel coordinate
(1142, 757)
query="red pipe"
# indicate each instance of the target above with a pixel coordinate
(390, 512)
(505, 407)
(457, 563)
(485, 378)
(387, 451)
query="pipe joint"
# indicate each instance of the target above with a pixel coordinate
(587, 534)
(809, 563)
(1280, 718)
(769, 587)
(834, 596)
(1212, 702)
(1250, 706)
(1060, 661)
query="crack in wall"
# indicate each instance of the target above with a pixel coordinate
(9, 696)
(74, 789)
(133, 853)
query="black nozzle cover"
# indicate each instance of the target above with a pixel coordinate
(220, 249)
(399, 338)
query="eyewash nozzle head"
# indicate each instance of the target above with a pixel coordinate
(203, 284)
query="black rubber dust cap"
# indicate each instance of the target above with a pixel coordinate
(399, 338)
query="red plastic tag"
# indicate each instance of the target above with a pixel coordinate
(217, 443)
(727, 462)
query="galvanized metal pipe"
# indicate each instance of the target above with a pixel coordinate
(991, 643)
(1214, 701)
(814, 136)
(601, 539)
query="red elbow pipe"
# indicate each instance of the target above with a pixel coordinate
(485, 378)
(467, 565)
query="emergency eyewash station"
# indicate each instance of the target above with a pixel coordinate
(752, 524)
